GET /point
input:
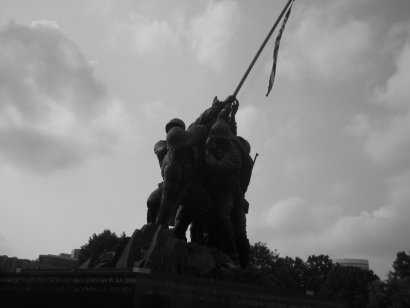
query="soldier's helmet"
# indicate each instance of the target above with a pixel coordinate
(174, 123)
(220, 130)
(160, 146)
(177, 138)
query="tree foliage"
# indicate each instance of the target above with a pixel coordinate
(97, 243)
(395, 292)
(262, 259)
(350, 284)
(377, 295)
(291, 273)
(398, 292)
(401, 266)
(398, 282)
(316, 272)
(262, 262)
(318, 275)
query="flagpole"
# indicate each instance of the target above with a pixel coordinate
(261, 48)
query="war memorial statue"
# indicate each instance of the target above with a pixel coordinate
(206, 169)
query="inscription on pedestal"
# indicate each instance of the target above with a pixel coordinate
(144, 290)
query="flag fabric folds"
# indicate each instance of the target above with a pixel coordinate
(275, 52)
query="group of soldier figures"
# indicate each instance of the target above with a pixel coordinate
(206, 170)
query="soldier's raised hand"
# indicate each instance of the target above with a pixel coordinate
(230, 99)
(235, 107)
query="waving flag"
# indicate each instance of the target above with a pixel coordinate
(275, 52)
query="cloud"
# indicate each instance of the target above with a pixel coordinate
(378, 234)
(390, 145)
(206, 36)
(4, 246)
(359, 125)
(149, 36)
(295, 217)
(395, 94)
(296, 166)
(247, 118)
(105, 7)
(298, 227)
(212, 31)
(387, 137)
(257, 123)
(31, 149)
(51, 105)
(339, 190)
(158, 111)
(154, 109)
(326, 47)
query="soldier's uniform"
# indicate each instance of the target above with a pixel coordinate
(160, 150)
(222, 176)
(241, 205)
(200, 129)
(177, 171)
(196, 207)
(181, 188)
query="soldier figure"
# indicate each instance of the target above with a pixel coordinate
(222, 171)
(160, 150)
(182, 188)
(241, 206)
(176, 170)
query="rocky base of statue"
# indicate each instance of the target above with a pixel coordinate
(155, 249)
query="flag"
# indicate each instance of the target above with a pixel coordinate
(275, 52)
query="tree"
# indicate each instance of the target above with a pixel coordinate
(98, 243)
(291, 273)
(377, 295)
(320, 275)
(398, 282)
(317, 269)
(401, 266)
(395, 292)
(299, 267)
(262, 263)
(261, 257)
(350, 284)
(398, 292)
(272, 270)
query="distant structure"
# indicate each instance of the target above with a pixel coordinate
(75, 253)
(14, 264)
(60, 261)
(63, 260)
(361, 263)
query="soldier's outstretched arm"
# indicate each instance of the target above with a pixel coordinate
(232, 120)
(209, 116)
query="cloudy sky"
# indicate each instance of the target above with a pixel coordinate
(86, 88)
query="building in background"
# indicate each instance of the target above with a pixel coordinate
(361, 263)
(60, 261)
(75, 253)
(49, 261)
(14, 264)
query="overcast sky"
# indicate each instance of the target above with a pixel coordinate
(86, 88)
